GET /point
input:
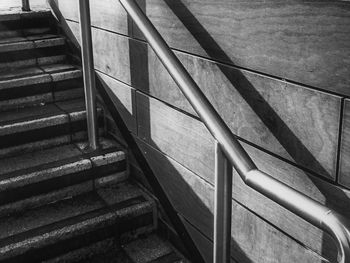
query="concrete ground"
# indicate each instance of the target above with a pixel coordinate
(6, 5)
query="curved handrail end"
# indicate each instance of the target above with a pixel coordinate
(339, 227)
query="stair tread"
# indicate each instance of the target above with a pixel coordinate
(113, 256)
(40, 74)
(28, 119)
(146, 249)
(70, 217)
(55, 111)
(152, 248)
(29, 38)
(77, 105)
(53, 157)
(28, 114)
(34, 159)
(17, 13)
(30, 42)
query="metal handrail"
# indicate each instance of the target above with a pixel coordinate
(291, 199)
(25, 5)
(88, 72)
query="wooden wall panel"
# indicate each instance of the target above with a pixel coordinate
(304, 41)
(110, 15)
(344, 174)
(165, 128)
(176, 134)
(332, 196)
(253, 239)
(106, 14)
(107, 60)
(205, 244)
(307, 42)
(294, 122)
(68, 9)
(123, 97)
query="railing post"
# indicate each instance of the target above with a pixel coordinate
(223, 207)
(88, 72)
(25, 5)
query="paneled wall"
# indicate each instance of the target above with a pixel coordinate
(278, 72)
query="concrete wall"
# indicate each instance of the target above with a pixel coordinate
(277, 72)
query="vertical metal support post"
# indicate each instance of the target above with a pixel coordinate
(25, 5)
(88, 72)
(223, 207)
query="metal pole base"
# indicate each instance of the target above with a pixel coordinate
(223, 207)
(25, 5)
(88, 73)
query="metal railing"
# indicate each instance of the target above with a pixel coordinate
(25, 5)
(88, 72)
(228, 150)
(88, 69)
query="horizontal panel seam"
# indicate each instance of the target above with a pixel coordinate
(222, 63)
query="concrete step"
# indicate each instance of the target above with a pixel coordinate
(43, 49)
(146, 249)
(18, 44)
(152, 249)
(32, 128)
(34, 85)
(45, 176)
(28, 39)
(21, 24)
(121, 212)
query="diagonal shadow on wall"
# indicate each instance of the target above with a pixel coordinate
(238, 81)
(139, 74)
(193, 252)
(290, 142)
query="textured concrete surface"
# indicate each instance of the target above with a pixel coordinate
(15, 5)
(33, 159)
(55, 193)
(31, 119)
(40, 42)
(147, 249)
(66, 86)
(35, 146)
(30, 222)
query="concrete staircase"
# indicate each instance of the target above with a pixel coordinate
(59, 201)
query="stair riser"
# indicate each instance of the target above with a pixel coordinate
(41, 99)
(67, 235)
(44, 144)
(23, 25)
(60, 182)
(30, 43)
(42, 61)
(25, 32)
(86, 253)
(29, 101)
(30, 54)
(63, 193)
(35, 146)
(41, 93)
(141, 224)
(33, 132)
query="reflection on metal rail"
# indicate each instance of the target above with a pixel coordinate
(25, 5)
(88, 72)
(229, 147)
